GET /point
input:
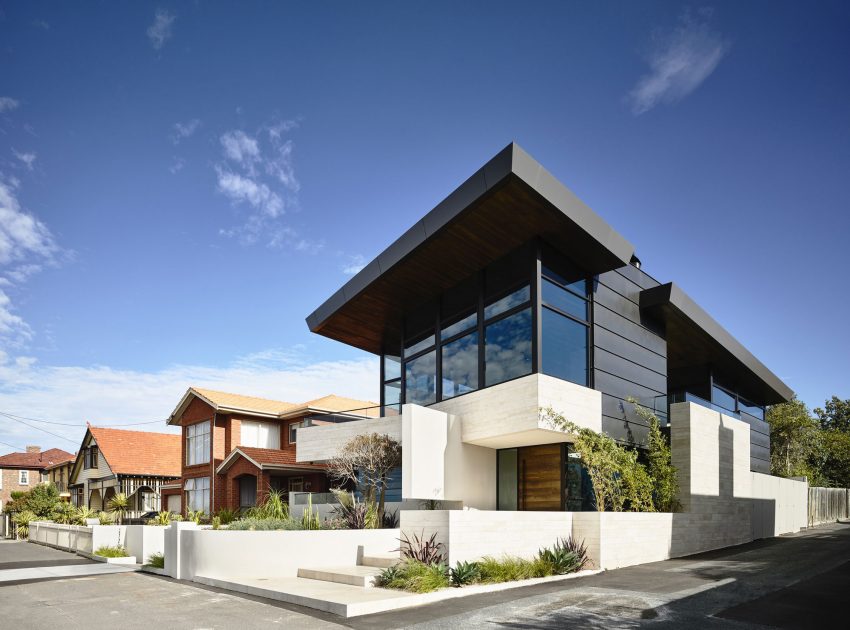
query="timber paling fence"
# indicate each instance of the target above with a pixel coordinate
(827, 505)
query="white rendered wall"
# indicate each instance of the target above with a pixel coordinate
(226, 554)
(780, 506)
(472, 534)
(436, 464)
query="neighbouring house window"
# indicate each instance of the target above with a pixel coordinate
(44, 477)
(90, 457)
(198, 443)
(198, 494)
(24, 478)
(293, 431)
(260, 434)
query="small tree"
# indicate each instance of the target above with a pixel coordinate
(659, 463)
(794, 436)
(366, 461)
(619, 481)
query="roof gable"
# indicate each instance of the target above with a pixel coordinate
(139, 452)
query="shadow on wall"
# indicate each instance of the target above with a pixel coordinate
(709, 521)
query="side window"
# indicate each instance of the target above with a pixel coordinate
(24, 478)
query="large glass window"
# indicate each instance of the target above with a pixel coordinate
(754, 410)
(563, 300)
(722, 398)
(198, 494)
(460, 366)
(259, 434)
(564, 350)
(392, 367)
(413, 348)
(465, 323)
(198, 443)
(507, 348)
(420, 379)
(508, 302)
(392, 393)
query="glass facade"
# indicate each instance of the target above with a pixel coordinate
(486, 330)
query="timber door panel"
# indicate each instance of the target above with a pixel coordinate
(540, 478)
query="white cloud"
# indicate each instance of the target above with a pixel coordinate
(244, 189)
(41, 24)
(258, 172)
(7, 104)
(106, 395)
(160, 31)
(354, 265)
(177, 165)
(26, 244)
(679, 62)
(181, 131)
(27, 158)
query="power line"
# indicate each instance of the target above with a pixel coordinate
(17, 448)
(32, 426)
(14, 416)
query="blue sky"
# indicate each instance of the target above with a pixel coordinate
(183, 183)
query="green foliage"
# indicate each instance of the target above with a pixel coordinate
(415, 577)
(84, 513)
(416, 547)
(510, 568)
(162, 519)
(835, 415)
(465, 573)
(565, 556)
(43, 500)
(309, 518)
(354, 514)
(216, 522)
(429, 504)
(195, 516)
(662, 473)
(794, 437)
(226, 516)
(390, 520)
(156, 560)
(22, 520)
(273, 507)
(265, 524)
(111, 552)
(65, 513)
(620, 483)
(119, 504)
(831, 458)
(105, 518)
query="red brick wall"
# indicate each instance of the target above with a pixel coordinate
(11, 476)
(167, 492)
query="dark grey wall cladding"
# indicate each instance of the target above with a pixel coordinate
(760, 466)
(629, 358)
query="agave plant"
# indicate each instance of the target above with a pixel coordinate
(416, 547)
(84, 513)
(465, 573)
(162, 518)
(565, 556)
(23, 520)
(106, 518)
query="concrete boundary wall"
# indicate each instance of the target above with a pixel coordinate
(191, 551)
(139, 540)
(472, 534)
(779, 505)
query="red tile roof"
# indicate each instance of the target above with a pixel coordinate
(139, 452)
(273, 457)
(33, 461)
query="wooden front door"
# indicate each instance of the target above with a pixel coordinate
(540, 478)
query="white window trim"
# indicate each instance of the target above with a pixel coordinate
(198, 443)
(293, 434)
(257, 434)
(21, 475)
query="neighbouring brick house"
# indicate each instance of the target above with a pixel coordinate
(137, 463)
(22, 471)
(236, 448)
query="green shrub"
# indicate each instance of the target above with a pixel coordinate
(196, 516)
(156, 560)
(465, 573)
(216, 522)
(65, 513)
(105, 518)
(510, 568)
(265, 524)
(22, 520)
(226, 516)
(273, 507)
(84, 513)
(415, 576)
(111, 552)
(162, 519)
(416, 547)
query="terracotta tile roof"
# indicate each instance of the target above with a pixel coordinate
(245, 403)
(33, 461)
(140, 452)
(270, 457)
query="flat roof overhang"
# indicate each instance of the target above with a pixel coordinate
(508, 202)
(694, 338)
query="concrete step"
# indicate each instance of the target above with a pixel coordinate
(380, 560)
(351, 575)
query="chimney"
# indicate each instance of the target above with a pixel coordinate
(33, 449)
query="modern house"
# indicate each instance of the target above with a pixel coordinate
(22, 471)
(236, 448)
(113, 461)
(509, 297)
